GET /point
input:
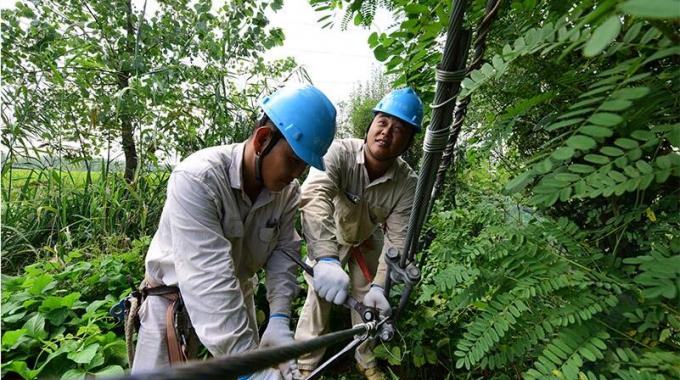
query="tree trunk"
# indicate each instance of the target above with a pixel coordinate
(127, 129)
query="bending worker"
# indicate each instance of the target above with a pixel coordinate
(351, 214)
(230, 211)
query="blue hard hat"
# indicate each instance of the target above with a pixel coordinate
(404, 104)
(306, 119)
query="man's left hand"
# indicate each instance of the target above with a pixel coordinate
(376, 298)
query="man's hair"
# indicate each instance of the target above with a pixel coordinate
(262, 121)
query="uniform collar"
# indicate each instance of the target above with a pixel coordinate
(235, 173)
(236, 177)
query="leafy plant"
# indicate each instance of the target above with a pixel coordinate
(50, 329)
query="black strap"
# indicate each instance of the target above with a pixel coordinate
(161, 290)
(276, 136)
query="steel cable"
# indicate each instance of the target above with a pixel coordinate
(249, 362)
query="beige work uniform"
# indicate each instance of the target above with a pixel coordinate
(210, 242)
(342, 208)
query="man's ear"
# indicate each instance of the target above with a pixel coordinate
(261, 138)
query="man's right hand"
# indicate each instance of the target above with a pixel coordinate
(330, 280)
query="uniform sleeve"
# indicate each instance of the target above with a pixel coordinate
(205, 268)
(396, 227)
(281, 270)
(318, 191)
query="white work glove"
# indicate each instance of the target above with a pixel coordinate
(278, 333)
(265, 374)
(330, 280)
(376, 298)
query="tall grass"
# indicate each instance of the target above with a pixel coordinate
(48, 211)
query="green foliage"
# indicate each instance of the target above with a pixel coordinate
(576, 105)
(357, 111)
(80, 77)
(47, 212)
(55, 319)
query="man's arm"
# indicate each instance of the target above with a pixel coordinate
(318, 191)
(205, 269)
(281, 270)
(396, 227)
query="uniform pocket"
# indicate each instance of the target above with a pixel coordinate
(267, 234)
(379, 214)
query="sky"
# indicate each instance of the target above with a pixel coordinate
(335, 60)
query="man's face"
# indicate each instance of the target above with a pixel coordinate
(388, 137)
(281, 166)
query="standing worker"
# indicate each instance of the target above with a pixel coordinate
(230, 210)
(351, 214)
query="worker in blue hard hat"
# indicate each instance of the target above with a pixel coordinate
(230, 211)
(351, 214)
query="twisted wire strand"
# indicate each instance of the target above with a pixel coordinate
(460, 111)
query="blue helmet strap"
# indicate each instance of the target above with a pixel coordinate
(275, 137)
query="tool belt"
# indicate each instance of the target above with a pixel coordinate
(181, 337)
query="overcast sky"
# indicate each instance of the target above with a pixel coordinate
(335, 60)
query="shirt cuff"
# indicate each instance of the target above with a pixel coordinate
(280, 306)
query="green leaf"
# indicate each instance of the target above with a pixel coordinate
(662, 175)
(634, 154)
(73, 374)
(674, 135)
(109, 371)
(41, 283)
(520, 182)
(596, 159)
(595, 131)
(616, 105)
(580, 168)
(632, 32)
(11, 339)
(85, 355)
(642, 135)
(587, 354)
(36, 326)
(621, 162)
(606, 119)
(675, 50)
(617, 176)
(602, 36)
(631, 171)
(373, 40)
(581, 142)
(646, 181)
(543, 166)
(611, 151)
(663, 162)
(663, 9)
(381, 54)
(567, 177)
(20, 368)
(630, 93)
(563, 153)
(625, 143)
